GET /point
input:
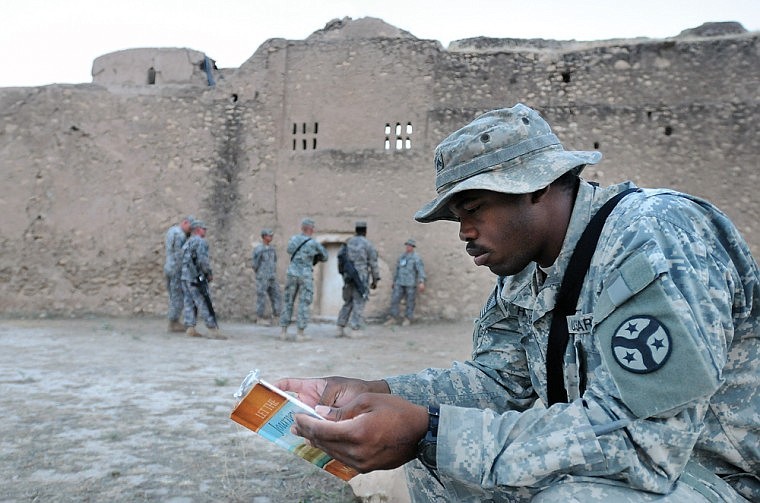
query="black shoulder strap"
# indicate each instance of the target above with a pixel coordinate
(299, 247)
(567, 299)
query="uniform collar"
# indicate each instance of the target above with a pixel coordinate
(522, 289)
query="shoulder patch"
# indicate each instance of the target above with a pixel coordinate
(655, 359)
(641, 344)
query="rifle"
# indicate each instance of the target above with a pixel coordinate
(202, 283)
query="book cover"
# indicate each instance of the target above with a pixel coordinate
(269, 411)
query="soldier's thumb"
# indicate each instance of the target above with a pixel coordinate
(331, 413)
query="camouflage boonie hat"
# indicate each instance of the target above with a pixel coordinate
(411, 242)
(510, 150)
(307, 222)
(198, 224)
(360, 224)
(267, 232)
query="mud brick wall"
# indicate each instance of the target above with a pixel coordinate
(340, 127)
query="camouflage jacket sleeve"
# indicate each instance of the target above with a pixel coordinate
(420, 268)
(321, 251)
(373, 263)
(256, 257)
(202, 257)
(175, 238)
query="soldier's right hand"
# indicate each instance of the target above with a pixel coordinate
(377, 431)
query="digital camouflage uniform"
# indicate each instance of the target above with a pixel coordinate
(175, 238)
(662, 370)
(364, 256)
(410, 272)
(300, 279)
(190, 271)
(264, 262)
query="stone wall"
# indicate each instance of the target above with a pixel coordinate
(95, 174)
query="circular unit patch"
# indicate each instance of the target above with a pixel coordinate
(641, 344)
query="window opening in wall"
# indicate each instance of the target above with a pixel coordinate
(596, 145)
(668, 130)
(398, 136)
(301, 131)
(565, 77)
(151, 76)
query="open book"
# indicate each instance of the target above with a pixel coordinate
(269, 411)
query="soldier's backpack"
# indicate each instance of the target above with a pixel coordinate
(347, 269)
(342, 258)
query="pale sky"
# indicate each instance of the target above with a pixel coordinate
(55, 41)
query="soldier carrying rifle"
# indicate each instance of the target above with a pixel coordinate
(196, 276)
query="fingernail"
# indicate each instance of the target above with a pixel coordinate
(322, 410)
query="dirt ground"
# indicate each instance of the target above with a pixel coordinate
(104, 409)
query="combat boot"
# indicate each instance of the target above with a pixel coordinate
(301, 337)
(284, 334)
(390, 322)
(341, 332)
(356, 333)
(214, 333)
(406, 322)
(192, 332)
(176, 326)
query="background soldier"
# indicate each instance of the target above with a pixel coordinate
(304, 253)
(409, 278)
(175, 238)
(264, 262)
(361, 252)
(196, 279)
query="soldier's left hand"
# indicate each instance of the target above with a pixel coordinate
(373, 285)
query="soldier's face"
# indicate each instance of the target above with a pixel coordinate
(266, 238)
(502, 231)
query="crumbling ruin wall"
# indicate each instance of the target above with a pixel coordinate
(95, 174)
(153, 66)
